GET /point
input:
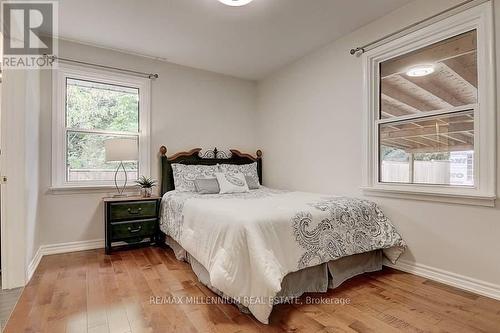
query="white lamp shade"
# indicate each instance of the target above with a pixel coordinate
(121, 150)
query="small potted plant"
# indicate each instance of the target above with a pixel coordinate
(146, 184)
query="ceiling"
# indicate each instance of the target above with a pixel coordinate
(247, 42)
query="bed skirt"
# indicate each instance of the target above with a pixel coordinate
(313, 279)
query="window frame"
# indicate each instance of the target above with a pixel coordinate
(59, 129)
(483, 192)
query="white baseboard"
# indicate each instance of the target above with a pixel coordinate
(33, 265)
(72, 247)
(45, 250)
(456, 280)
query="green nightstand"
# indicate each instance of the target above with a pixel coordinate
(133, 220)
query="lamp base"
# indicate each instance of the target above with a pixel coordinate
(120, 190)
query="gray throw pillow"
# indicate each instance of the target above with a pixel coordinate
(207, 185)
(252, 183)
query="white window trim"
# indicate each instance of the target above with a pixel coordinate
(484, 191)
(59, 76)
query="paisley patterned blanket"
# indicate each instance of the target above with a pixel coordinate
(249, 242)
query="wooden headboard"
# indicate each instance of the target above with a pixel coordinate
(192, 157)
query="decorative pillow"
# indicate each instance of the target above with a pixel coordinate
(249, 170)
(185, 175)
(231, 182)
(252, 184)
(207, 186)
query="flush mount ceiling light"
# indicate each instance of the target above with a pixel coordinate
(235, 3)
(420, 70)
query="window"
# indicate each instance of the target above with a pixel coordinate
(90, 107)
(430, 112)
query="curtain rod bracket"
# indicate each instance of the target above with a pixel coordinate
(357, 51)
(50, 58)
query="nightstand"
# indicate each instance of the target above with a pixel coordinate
(131, 220)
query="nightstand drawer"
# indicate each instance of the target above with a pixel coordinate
(123, 230)
(132, 210)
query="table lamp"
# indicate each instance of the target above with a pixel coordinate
(121, 150)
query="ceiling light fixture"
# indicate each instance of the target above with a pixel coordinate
(235, 3)
(420, 70)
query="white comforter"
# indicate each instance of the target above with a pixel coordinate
(249, 242)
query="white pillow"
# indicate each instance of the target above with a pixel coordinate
(231, 182)
(185, 175)
(249, 170)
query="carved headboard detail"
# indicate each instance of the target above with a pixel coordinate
(192, 157)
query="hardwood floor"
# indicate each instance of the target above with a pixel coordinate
(91, 292)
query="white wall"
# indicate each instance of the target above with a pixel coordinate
(317, 104)
(190, 108)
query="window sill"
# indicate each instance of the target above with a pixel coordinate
(474, 200)
(84, 189)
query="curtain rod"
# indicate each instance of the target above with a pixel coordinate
(417, 25)
(151, 76)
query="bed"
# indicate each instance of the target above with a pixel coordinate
(267, 246)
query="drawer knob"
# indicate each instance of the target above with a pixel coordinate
(134, 230)
(130, 211)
